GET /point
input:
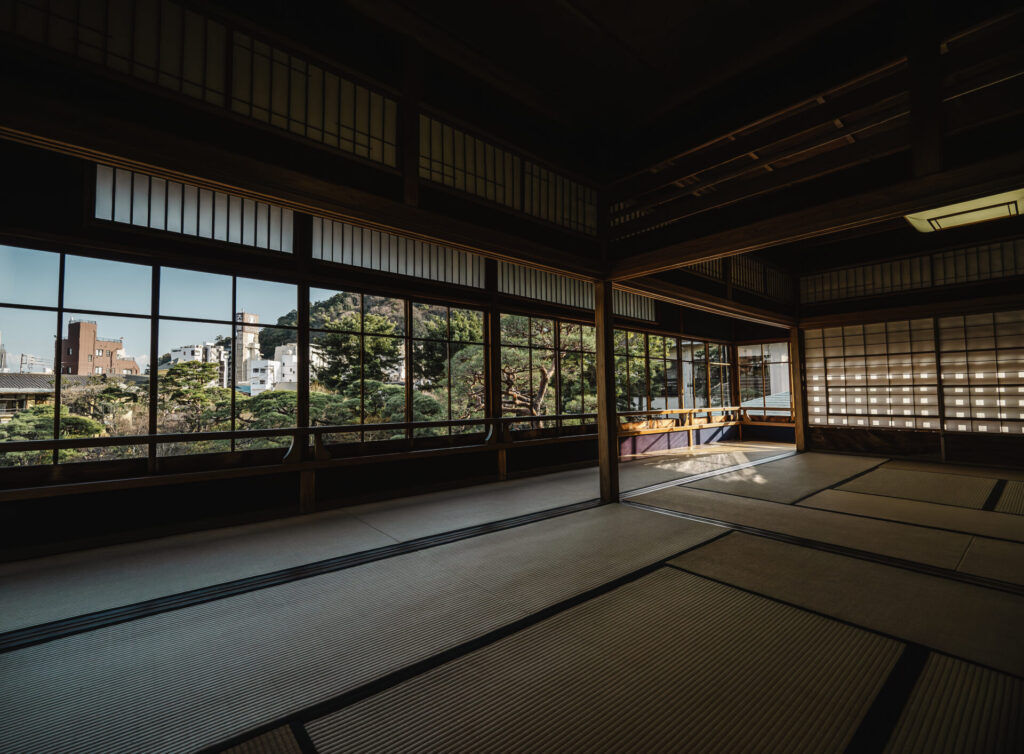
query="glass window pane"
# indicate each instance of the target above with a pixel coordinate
(588, 338)
(335, 378)
(28, 276)
(26, 341)
(194, 379)
(570, 382)
(430, 321)
(384, 314)
(334, 310)
(104, 384)
(515, 330)
(430, 384)
(620, 340)
(383, 380)
(468, 390)
(776, 352)
(28, 382)
(516, 390)
(635, 344)
(102, 285)
(271, 303)
(542, 333)
(569, 336)
(543, 383)
(199, 295)
(467, 325)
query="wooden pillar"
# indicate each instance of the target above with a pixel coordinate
(493, 371)
(796, 387)
(607, 416)
(302, 244)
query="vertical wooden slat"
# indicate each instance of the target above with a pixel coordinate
(607, 416)
(797, 388)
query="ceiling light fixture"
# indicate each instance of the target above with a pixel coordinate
(967, 213)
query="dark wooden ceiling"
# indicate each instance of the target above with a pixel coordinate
(616, 63)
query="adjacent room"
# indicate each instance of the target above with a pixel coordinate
(573, 376)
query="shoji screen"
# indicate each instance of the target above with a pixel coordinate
(877, 375)
(983, 372)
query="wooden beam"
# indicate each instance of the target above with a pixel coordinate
(945, 306)
(796, 387)
(405, 20)
(880, 85)
(694, 299)
(607, 414)
(926, 112)
(948, 187)
(409, 154)
(756, 179)
(40, 118)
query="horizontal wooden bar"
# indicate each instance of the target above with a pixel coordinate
(1005, 173)
(694, 299)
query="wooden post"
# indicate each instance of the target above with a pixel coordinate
(607, 416)
(493, 372)
(796, 388)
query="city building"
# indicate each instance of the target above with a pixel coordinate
(655, 376)
(83, 352)
(247, 343)
(208, 353)
(264, 374)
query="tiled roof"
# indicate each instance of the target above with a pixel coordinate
(21, 382)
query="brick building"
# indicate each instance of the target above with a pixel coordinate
(83, 352)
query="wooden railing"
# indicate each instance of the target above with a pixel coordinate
(633, 423)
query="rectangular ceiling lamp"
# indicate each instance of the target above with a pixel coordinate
(968, 213)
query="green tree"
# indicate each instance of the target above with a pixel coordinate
(36, 423)
(527, 366)
(189, 396)
(119, 405)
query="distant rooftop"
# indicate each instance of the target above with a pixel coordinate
(22, 382)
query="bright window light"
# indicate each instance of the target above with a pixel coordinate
(968, 213)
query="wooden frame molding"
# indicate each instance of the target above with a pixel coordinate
(948, 187)
(694, 299)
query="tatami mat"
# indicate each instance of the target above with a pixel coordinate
(180, 680)
(435, 512)
(424, 515)
(278, 741)
(960, 708)
(671, 662)
(989, 472)
(664, 467)
(982, 523)
(972, 622)
(789, 479)
(63, 586)
(1012, 499)
(995, 559)
(932, 487)
(929, 546)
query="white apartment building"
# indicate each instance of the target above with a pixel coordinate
(264, 374)
(207, 353)
(281, 372)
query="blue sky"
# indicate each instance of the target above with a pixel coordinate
(31, 277)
